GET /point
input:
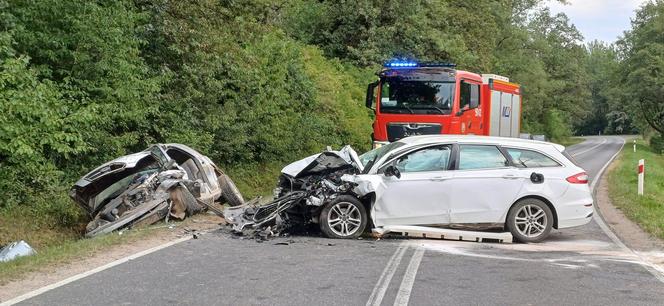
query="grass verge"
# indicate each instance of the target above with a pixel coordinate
(67, 251)
(570, 141)
(647, 210)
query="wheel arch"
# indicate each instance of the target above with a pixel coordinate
(543, 199)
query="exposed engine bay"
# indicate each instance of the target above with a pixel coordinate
(304, 188)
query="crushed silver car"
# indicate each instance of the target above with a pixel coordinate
(311, 191)
(164, 181)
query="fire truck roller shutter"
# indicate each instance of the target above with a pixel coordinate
(505, 115)
(516, 115)
(494, 115)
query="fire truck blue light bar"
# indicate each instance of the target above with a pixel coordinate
(416, 64)
(401, 64)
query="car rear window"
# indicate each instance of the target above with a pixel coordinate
(530, 159)
(568, 156)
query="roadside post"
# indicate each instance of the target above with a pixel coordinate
(642, 168)
(634, 145)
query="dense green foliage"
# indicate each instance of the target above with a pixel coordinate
(256, 83)
(627, 79)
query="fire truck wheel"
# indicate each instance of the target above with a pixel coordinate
(530, 220)
(229, 191)
(343, 218)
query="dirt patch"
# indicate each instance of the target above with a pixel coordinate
(629, 232)
(55, 273)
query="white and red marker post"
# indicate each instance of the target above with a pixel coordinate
(641, 171)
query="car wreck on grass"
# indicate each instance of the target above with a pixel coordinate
(423, 184)
(165, 181)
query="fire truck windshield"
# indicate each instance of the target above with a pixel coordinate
(416, 96)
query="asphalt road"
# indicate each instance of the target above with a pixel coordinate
(575, 266)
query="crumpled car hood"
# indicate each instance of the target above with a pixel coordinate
(322, 162)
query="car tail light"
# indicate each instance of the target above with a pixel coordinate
(580, 178)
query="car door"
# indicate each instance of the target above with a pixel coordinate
(419, 196)
(484, 185)
(530, 161)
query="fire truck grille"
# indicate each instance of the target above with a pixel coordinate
(396, 131)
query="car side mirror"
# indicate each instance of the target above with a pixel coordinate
(392, 170)
(370, 94)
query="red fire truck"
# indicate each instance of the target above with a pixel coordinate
(413, 98)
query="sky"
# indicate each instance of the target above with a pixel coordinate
(599, 19)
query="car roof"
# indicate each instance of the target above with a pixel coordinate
(504, 141)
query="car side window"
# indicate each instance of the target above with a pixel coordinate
(481, 157)
(530, 159)
(428, 159)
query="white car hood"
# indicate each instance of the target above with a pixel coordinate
(325, 160)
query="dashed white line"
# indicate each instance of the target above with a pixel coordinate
(409, 278)
(379, 290)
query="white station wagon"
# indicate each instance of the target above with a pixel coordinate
(479, 182)
(464, 182)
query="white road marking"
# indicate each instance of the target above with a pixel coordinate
(409, 278)
(90, 272)
(654, 269)
(591, 148)
(379, 290)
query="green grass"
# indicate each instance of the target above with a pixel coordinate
(646, 210)
(570, 141)
(66, 251)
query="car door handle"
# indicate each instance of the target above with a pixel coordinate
(438, 178)
(510, 176)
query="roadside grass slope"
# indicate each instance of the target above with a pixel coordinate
(647, 210)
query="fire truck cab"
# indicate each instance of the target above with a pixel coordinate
(413, 98)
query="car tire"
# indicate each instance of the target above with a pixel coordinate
(343, 218)
(530, 220)
(229, 191)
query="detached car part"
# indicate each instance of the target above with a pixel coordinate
(164, 181)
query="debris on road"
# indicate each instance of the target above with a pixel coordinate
(14, 250)
(166, 181)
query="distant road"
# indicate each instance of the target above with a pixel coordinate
(580, 266)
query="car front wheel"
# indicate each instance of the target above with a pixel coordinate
(530, 220)
(343, 217)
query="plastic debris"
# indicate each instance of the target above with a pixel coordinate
(14, 250)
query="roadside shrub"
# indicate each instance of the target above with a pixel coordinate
(657, 143)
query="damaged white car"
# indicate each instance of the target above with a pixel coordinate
(164, 181)
(466, 182)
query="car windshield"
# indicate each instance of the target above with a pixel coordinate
(416, 97)
(369, 158)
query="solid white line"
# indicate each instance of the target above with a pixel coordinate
(654, 269)
(592, 148)
(90, 272)
(379, 290)
(409, 278)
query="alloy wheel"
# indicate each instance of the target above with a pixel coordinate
(531, 221)
(344, 219)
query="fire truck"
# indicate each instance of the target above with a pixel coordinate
(412, 98)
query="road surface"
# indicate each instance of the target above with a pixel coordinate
(575, 266)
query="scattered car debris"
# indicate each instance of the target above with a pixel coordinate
(163, 182)
(14, 250)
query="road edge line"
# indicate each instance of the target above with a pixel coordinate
(385, 278)
(655, 271)
(403, 295)
(76, 277)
